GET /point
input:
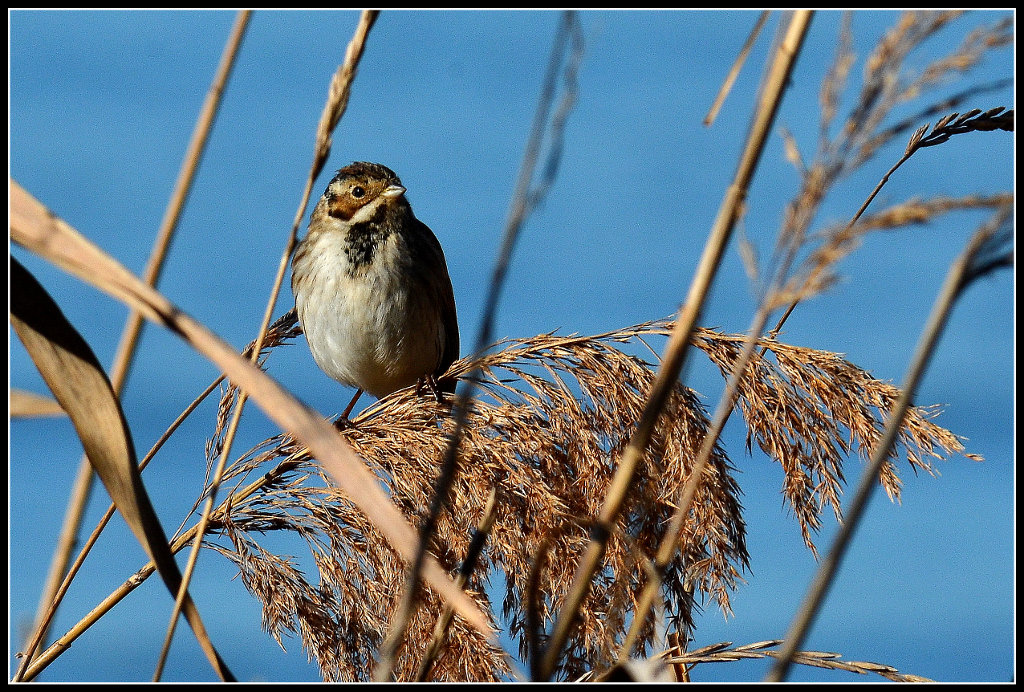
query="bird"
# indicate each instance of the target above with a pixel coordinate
(372, 290)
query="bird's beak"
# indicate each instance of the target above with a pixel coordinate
(393, 191)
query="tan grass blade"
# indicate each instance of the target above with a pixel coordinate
(69, 536)
(25, 404)
(78, 381)
(34, 227)
(45, 618)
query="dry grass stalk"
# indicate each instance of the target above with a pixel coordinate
(734, 71)
(25, 404)
(722, 653)
(339, 90)
(555, 413)
(918, 212)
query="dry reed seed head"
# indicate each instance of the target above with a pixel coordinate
(967, 56)
(554, 414)
(816, 273)
(955, 124)
(916, 211)
(881, 71)
(835, 78)
(575, 432)
(971, 51)
(911, 29)
(809, 409)
(887, 82)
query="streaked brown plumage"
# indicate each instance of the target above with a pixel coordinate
(371, 286)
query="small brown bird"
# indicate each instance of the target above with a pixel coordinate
(371, 287)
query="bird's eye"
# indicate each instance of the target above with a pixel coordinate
(358, 192)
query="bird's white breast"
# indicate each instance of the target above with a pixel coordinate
(370, 329)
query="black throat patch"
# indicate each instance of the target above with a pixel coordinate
(365, 238)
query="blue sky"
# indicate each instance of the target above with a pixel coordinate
(102, 105)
